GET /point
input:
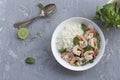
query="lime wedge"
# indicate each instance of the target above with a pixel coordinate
(23, 33)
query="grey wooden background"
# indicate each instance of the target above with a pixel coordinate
(13, 51)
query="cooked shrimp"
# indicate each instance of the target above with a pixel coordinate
(93, 43)
(90, 33)
(96, 51)
(89, 55)
(77, 50)
(76, 61)
(67, 56)
(83, 41)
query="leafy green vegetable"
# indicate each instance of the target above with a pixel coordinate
(98, 9)
(30, 60)
(109, 14)
(87, 48)
(84, 27)
(75, 41)
(40, 5)
(83, 61)
(109, 10)
(86, 62)
(91, 61)
(62, 50)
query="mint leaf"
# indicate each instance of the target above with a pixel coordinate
(98, 9)
(40, 5)
(109, 8)
(96, 17)
(102, 19)
(109, 15)
(62, 50)
(91, 61)
(30, 60)
(84, 27)
(75, 41)
(87, 48)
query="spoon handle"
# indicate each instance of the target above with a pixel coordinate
(25, 23)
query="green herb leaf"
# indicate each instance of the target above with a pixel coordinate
(62, 50)
(30, 60)
(87, 48)
(107, 26)
(96, 17)
(91, 61)
(108, 9)
(98, 9)
(117, 17)
(83, 61)
(40, 5)
(109, 14)
(84, 27)
(86, 62)
(102, 19)
(75, 41)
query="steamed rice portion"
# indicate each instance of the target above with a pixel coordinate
(65, 37)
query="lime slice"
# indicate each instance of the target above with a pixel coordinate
(23, 33)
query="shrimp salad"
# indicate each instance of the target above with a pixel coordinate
(83, 48)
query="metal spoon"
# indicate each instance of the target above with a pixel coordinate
(46, 11)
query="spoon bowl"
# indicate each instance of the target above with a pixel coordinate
(48, 10)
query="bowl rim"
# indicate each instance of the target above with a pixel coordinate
(102, 43)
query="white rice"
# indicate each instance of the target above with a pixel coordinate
(65, 37)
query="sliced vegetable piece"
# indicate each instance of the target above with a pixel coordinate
(23, 33)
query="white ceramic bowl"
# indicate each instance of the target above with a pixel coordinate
(57, 55)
